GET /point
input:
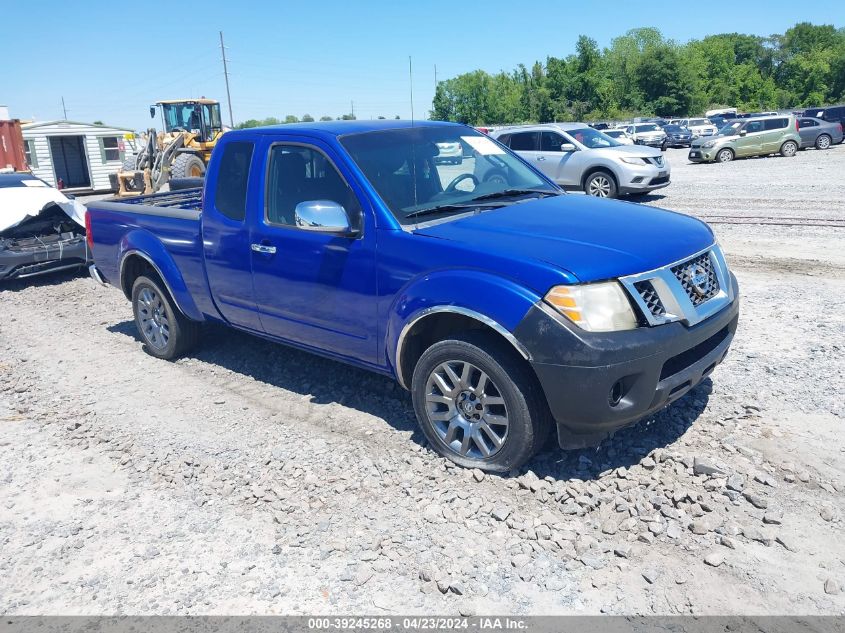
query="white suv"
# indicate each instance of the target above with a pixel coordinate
(699, 127)
(576, 156)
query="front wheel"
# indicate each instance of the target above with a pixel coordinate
(478, 404)
(187, 166)
(789, 149)
(823, 141)
(165, 331)
(601, 185)
(725, 156)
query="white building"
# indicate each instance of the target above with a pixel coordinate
(81, 155)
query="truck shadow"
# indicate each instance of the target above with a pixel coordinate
(325, 381)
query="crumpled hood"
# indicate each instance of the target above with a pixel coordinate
(20, 203)
(591, 238)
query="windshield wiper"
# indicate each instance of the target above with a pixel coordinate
(507, 193)
(445, 208)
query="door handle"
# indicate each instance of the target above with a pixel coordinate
(263, 248)
(541, 158)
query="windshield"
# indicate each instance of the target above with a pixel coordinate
(588, 137)
(415, 171)
(650, 127)
(614, 133)
(730, 129)
(699, 122)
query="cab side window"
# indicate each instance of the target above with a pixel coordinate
(802, 123)
(301, 174)
(232, 180)
(775, 124)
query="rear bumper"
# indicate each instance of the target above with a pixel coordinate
(647, 369)
(29, 262)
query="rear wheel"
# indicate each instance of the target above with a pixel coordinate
(187, 166)
(789, 149)
(725, 156)
(478, 403)
(165, 331)
(823, 141)
(600, 184)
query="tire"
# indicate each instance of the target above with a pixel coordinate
(177, 184)
(164, 330)
(601, 184)
(512, 392)
(823, 141)
(788, 149)
(664, 146)
(725, 155)
(187, 166)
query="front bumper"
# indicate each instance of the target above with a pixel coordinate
(697, 154)
(20, 263)
(650, 142)
(648, 368)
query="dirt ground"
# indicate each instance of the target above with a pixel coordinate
(252, 478)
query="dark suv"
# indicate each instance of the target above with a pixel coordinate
(833, 114)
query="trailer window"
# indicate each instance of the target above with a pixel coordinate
(29, 154)
(232, 179)
(111, 148)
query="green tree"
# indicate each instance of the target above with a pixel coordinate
(326, 118)
(307, 118)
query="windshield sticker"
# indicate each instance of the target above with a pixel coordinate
(33, 183)
(482, 145)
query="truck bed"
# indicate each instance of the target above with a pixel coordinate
(185, 199)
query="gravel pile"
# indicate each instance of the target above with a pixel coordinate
(251, 478)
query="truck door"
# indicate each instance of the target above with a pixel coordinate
(314, 288)
(226, 239)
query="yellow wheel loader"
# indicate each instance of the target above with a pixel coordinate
(191, 129)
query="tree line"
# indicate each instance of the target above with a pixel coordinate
(643, 73)
(306, 118)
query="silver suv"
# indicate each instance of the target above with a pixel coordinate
(646, 134)
(576, 156)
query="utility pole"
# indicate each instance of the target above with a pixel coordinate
(64, 109)
(226, 75)
(352, 104)
(435, 79)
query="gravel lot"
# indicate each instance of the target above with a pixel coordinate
(251, 478)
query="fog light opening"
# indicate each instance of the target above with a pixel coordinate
(616, 393)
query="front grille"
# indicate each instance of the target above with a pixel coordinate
(650, 297)
(698, 291)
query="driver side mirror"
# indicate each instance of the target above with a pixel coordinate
(742, 132)
(567, 147)
(322, 216)
(152, 112)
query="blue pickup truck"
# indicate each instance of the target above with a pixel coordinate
(508, 308)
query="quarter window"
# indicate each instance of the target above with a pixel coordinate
(301, 174)
(232, 180)
(775, 124)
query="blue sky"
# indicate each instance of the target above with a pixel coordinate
(315, 57)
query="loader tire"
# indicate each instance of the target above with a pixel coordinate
(187, 166)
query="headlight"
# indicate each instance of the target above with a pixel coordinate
(632, 161)
(708, 144)
(601, 307)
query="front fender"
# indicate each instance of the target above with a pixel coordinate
(497, 302)
(146, 245)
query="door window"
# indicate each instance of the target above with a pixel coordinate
(299, 174)
(232, 180)
(551, 142)
(753, 126)
(802, 123)
(524, 142)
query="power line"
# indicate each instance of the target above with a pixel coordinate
(226, 75)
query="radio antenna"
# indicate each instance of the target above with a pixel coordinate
(411, 85)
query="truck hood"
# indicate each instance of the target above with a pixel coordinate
(590, 238)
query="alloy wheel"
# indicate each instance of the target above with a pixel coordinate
(599, 186)
(155, 326)
(466, 410)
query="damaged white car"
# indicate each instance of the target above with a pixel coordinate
(41, 230)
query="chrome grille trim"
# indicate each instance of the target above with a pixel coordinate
(664, 295)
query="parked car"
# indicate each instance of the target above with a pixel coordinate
(677, 136)
(41, 230)
(600, 126)
(506, 307)
(817, 133)
(751, 137)
(650, 134)
(720, 121)
(699, 127)
(577, 157)
(832, 114)
(450, 153)
(619, 136)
